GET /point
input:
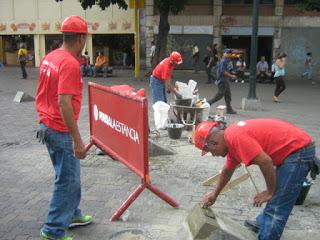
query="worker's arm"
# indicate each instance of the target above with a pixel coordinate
(266, 166)
(210, 198)
(66, 110)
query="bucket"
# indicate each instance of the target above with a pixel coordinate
(304, 192)
(175, 130)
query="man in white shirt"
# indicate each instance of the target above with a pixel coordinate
(195, 57)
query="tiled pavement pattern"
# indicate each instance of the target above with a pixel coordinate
(26, 173)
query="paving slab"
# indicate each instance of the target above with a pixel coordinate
(26, 172)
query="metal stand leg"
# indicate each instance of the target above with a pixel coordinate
(162, 195)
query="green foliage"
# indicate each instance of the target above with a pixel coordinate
(173, 6)
(103, 4)
(310, 5)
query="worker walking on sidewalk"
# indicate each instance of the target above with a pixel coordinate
(284, 153)
(160, 79)
(222, 81)
(58, 103)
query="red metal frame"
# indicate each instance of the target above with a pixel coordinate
(145, 177)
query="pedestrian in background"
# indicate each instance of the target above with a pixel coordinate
(152, 53)
(160, 80)
(195, 57)
(101, 65)
(223, 77)
(58, 104)
(240, 67)
(209, 62)
(23, 58)
(308, 67)
(279, 76)
(262, 70)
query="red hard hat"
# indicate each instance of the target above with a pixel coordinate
(201, 134)
(74, 24)
(176, 57)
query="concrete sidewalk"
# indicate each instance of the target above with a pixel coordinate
(27, 175)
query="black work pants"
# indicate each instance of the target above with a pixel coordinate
(23, 69)
(223, 91)
(209, 70)
(280, 85)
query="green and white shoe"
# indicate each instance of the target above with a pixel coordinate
(81, 221)
(47, 237)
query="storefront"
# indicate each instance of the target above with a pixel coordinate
(10, 46)
(111, 30)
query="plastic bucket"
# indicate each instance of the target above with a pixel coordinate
(175, 130)
(304, 192)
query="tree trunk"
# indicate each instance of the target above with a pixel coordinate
(161, 45)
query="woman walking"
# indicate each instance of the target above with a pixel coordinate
(279, 76)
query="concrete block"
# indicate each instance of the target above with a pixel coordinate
(156, 149)
(22, 97)
(201, 222)
(251, 104)
(234, 230)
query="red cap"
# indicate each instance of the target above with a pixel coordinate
(74, 24)
(201, 134)
(176, 57)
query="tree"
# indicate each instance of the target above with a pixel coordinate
(310, 5)
(103, 4)
(165, 7)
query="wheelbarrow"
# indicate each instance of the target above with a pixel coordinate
(188, 116)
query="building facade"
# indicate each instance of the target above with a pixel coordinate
(282, 27)
(36, 23)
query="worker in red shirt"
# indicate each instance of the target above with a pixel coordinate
(58, 103)
(283, 152)
(160, 79)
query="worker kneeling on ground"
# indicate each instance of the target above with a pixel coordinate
(284, 153)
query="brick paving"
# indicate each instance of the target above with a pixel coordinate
(27, 175)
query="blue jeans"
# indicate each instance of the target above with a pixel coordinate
(67, 186)
(290, 176)
(158, 90)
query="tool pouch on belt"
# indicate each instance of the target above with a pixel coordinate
(315, 168)
(42, 136)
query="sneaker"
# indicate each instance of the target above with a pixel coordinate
(47, 237)
(81, 221)
(275, 99)
(236, 81)
(252, 225)
(242, 81)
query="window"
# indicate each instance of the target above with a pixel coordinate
(293, 1)
(249, 1)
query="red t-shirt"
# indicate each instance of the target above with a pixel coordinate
(163, 71)
(59, 74)
(247, 139)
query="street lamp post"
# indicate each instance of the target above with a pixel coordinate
(253, 51)
(252, 102)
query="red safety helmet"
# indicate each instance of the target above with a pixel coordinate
(201, 134)
(74, 24)
(175, 57)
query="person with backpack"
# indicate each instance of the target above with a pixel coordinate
(279, 76)
(223, 76)
(23, 58)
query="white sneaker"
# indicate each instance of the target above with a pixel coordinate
(236, 81)
(242, 81)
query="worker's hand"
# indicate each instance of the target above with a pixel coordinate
(79, 149)
(261, 198)
(208, 200)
